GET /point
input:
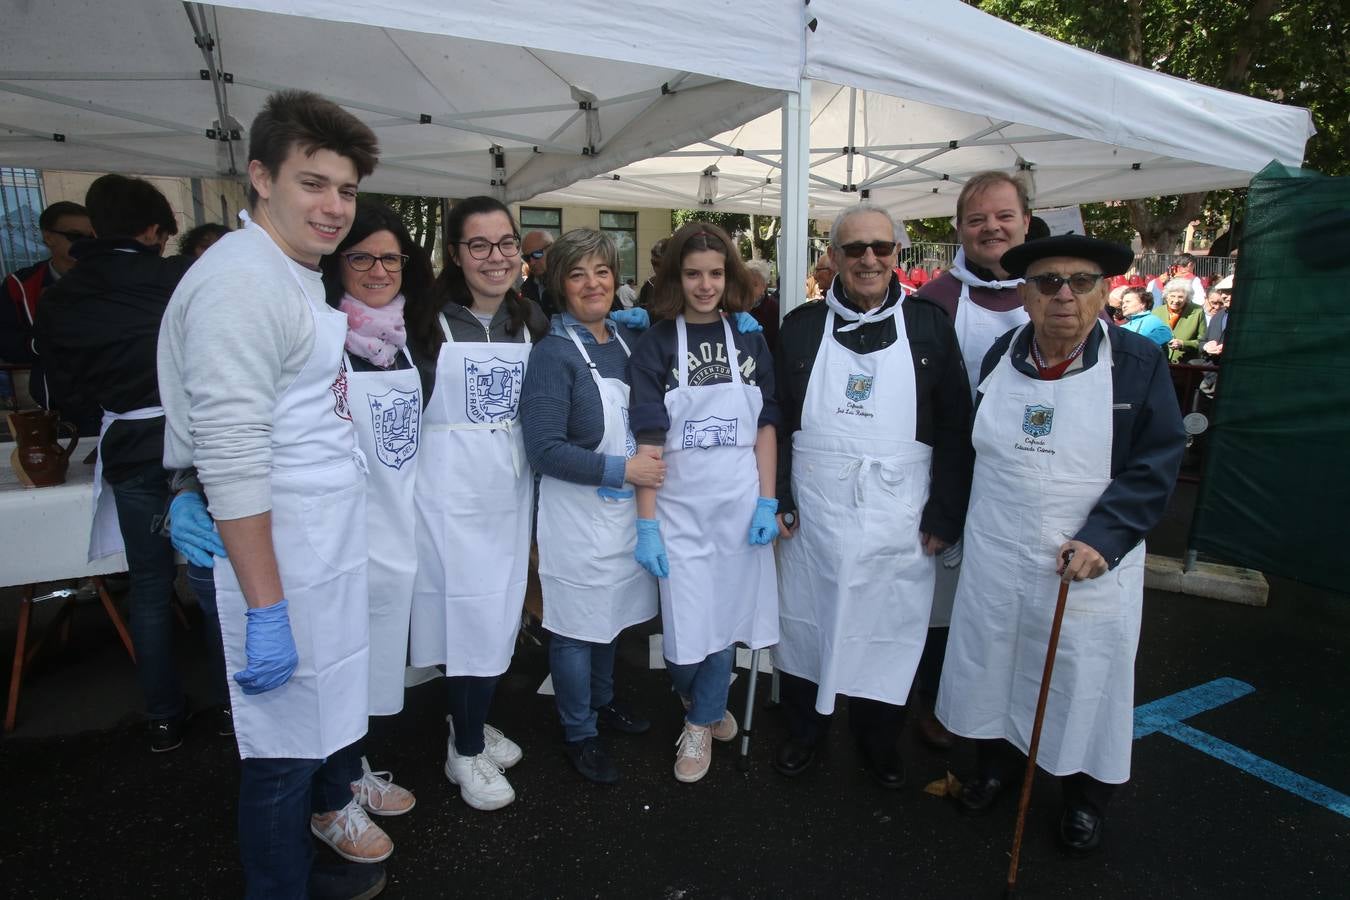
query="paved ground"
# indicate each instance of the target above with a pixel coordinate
(92, 812)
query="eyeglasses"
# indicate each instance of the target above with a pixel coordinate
(1078, 282)
(71, 236)
(879, 249)
(364, 262)
(532, 255)
(481, 248)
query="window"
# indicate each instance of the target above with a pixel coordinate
(20, 206)
(622, 226)
(538, 218)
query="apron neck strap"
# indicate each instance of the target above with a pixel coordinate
(682, 350)
(445, 329)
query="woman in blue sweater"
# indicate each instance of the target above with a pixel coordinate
(574, 409)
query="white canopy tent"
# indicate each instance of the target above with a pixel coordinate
(939, 91)
(465, 98)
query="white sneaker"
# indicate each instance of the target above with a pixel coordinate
(500, 749)
(481, 782)
(693, 753)
(723, 730)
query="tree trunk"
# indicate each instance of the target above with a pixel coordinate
(1235, 76)
(1160, 234)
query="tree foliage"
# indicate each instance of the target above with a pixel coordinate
(1291, 51)
(756, 236)
(421, 216)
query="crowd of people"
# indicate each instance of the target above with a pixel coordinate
(355, 456)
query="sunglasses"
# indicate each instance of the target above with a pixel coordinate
(535, 254)
(71, 236)
(364, 262)
(879, 249)
(1078, 282)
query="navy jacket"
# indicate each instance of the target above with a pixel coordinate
(1146, 443)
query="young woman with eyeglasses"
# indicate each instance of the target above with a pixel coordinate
(474, 498)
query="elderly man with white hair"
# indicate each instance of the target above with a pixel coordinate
(874, 470)
(764, 307)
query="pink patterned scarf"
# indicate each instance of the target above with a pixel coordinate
(374, 334)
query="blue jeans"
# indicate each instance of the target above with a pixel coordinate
(583, 680)
(704, 685)
(203, 584)
(141, 501)
(276, 799)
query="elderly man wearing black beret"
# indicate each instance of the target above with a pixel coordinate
(1078, 440)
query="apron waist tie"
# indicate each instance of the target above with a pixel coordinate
(359, 457)
(857, 468)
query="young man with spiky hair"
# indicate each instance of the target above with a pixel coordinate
(254, 390)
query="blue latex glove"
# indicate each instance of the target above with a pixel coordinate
(650, 551)
(270, 649)
(635, 318)
(193, 532)
(609, 493)
(764, 524)
(746, 323)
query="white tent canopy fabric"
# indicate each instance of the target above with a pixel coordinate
(963, 92)
(528, 98)
(465, 99)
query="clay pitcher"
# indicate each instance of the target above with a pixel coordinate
(39, 459)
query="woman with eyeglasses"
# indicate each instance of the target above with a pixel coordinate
(474, 494)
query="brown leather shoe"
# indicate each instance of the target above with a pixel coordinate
(933, 732)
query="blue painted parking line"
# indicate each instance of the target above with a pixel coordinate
(1166, 714)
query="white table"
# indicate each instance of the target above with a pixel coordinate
(44, 536)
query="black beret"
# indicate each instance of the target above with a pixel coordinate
(1115, 259)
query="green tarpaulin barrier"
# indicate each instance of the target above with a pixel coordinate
(1275, 494)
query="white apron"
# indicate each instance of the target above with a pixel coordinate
(387, 411)
(319, 533)
(105, 534)
(976, 330)
(593, 587)
(473, 510)
(721, 590)
(855, 584)
(1043, 459)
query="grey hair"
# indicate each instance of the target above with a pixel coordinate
(761, 268)
(856, 210)
(572, 248)
(1179, 285)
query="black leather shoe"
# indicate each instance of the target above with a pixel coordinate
(884, 766)
(978, 796)
(618, 717)
(590, 759)
(794, 757)
(346, 881)
(1080, 830)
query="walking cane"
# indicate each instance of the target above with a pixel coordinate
(743, 763)
(1025, 800)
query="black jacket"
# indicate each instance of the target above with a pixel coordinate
(1147, 439)
(943, 397)
(97, 330)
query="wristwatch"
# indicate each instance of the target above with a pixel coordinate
(790, 519)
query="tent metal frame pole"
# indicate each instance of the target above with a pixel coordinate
(86, 106)
(76, 141)
(215, 65)
(851, 152)
(24, 75)
(949, 147)
(794, 197)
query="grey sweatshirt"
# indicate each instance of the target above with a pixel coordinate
(236, 333)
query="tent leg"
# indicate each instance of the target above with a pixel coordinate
(748, 720)
(792, 261)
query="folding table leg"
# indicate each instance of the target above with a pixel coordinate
(113, 614)
(16, 674)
